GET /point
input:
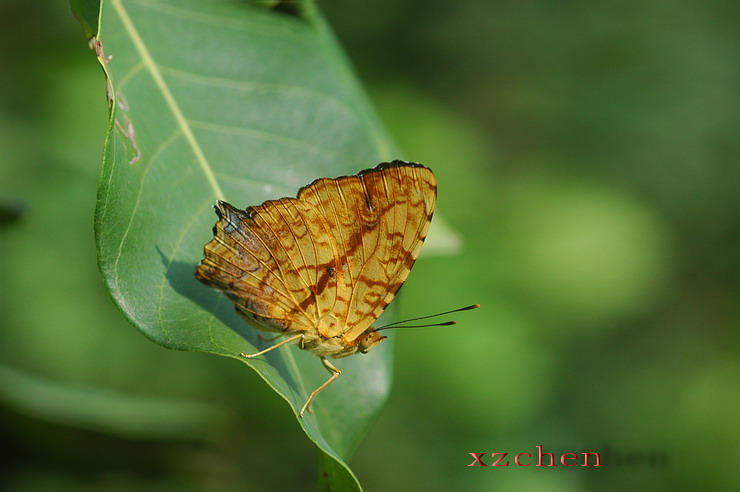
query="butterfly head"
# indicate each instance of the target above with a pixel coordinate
(368, 340)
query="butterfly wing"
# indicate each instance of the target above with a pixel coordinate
(340, 250)
(268, 260)
(379, 220)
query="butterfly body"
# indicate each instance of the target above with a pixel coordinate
(322, 267)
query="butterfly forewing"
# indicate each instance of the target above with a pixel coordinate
(382, 218)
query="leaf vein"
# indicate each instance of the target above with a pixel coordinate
(156, 74)
(274, 138)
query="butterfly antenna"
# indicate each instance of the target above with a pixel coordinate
(396, 324)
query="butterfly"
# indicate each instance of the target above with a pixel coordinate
(321, 268)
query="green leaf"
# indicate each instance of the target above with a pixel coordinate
(107, 410)
(228, 100)
(86, 12)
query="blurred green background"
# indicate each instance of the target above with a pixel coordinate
(587, 154)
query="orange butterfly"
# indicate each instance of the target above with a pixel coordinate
(322, 267)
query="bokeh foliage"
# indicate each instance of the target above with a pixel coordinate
(586, 153)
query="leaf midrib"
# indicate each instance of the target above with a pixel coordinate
(156, 74)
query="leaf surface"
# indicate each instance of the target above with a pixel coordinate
(227, 100)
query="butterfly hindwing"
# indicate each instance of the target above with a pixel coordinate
(254, 260)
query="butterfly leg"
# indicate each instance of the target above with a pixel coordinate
(334, 371)
(287, 340)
